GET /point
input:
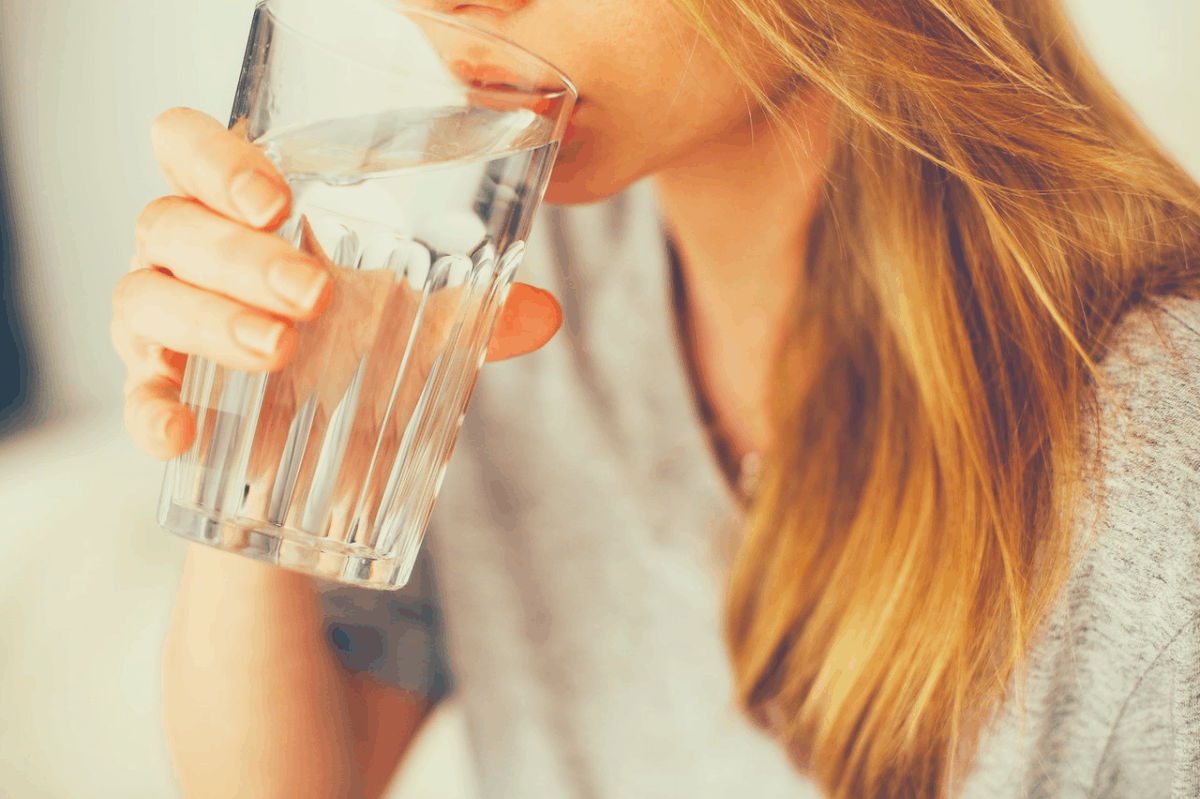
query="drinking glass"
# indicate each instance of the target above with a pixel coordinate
(417, 149)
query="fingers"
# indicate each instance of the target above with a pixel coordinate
(158, 423)
(211, 252)
(231, 284)
(152, 311)
(156, 317)
(529, 320)
(218, 167)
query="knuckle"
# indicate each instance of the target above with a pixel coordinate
(170, 116)
(146, 228)
(123, 293)
(165, 128)
(232, 248)
(175, 122)
(166, 120)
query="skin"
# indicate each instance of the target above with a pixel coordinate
(737, 190)
(252, 707)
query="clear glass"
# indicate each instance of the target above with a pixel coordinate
(417, 150)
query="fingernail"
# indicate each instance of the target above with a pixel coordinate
(257, 197)
(298, 282)
(257, 334)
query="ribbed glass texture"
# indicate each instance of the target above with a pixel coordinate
(418, 207)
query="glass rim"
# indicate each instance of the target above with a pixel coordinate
(567, 86)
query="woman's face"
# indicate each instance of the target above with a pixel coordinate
(653, 93)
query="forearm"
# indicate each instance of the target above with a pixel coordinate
(253, 705)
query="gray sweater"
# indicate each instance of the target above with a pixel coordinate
(577, 545)
(1113, 693)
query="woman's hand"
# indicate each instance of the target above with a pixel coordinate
(209, 278)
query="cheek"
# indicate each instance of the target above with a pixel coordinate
(659, 107)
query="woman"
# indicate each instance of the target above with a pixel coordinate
(914, 253)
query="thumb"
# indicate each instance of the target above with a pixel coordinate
(530, 318)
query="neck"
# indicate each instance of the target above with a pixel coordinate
(739, 212)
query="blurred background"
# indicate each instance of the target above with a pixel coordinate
(86, 576)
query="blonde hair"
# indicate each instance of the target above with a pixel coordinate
(991, 209)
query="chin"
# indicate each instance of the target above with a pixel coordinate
(580, 176)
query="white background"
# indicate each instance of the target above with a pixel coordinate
(86, 578)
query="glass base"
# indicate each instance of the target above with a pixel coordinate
(291, 549)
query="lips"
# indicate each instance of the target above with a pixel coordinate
(493, 77)
(497, 88)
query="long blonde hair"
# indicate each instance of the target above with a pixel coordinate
(991, 209)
